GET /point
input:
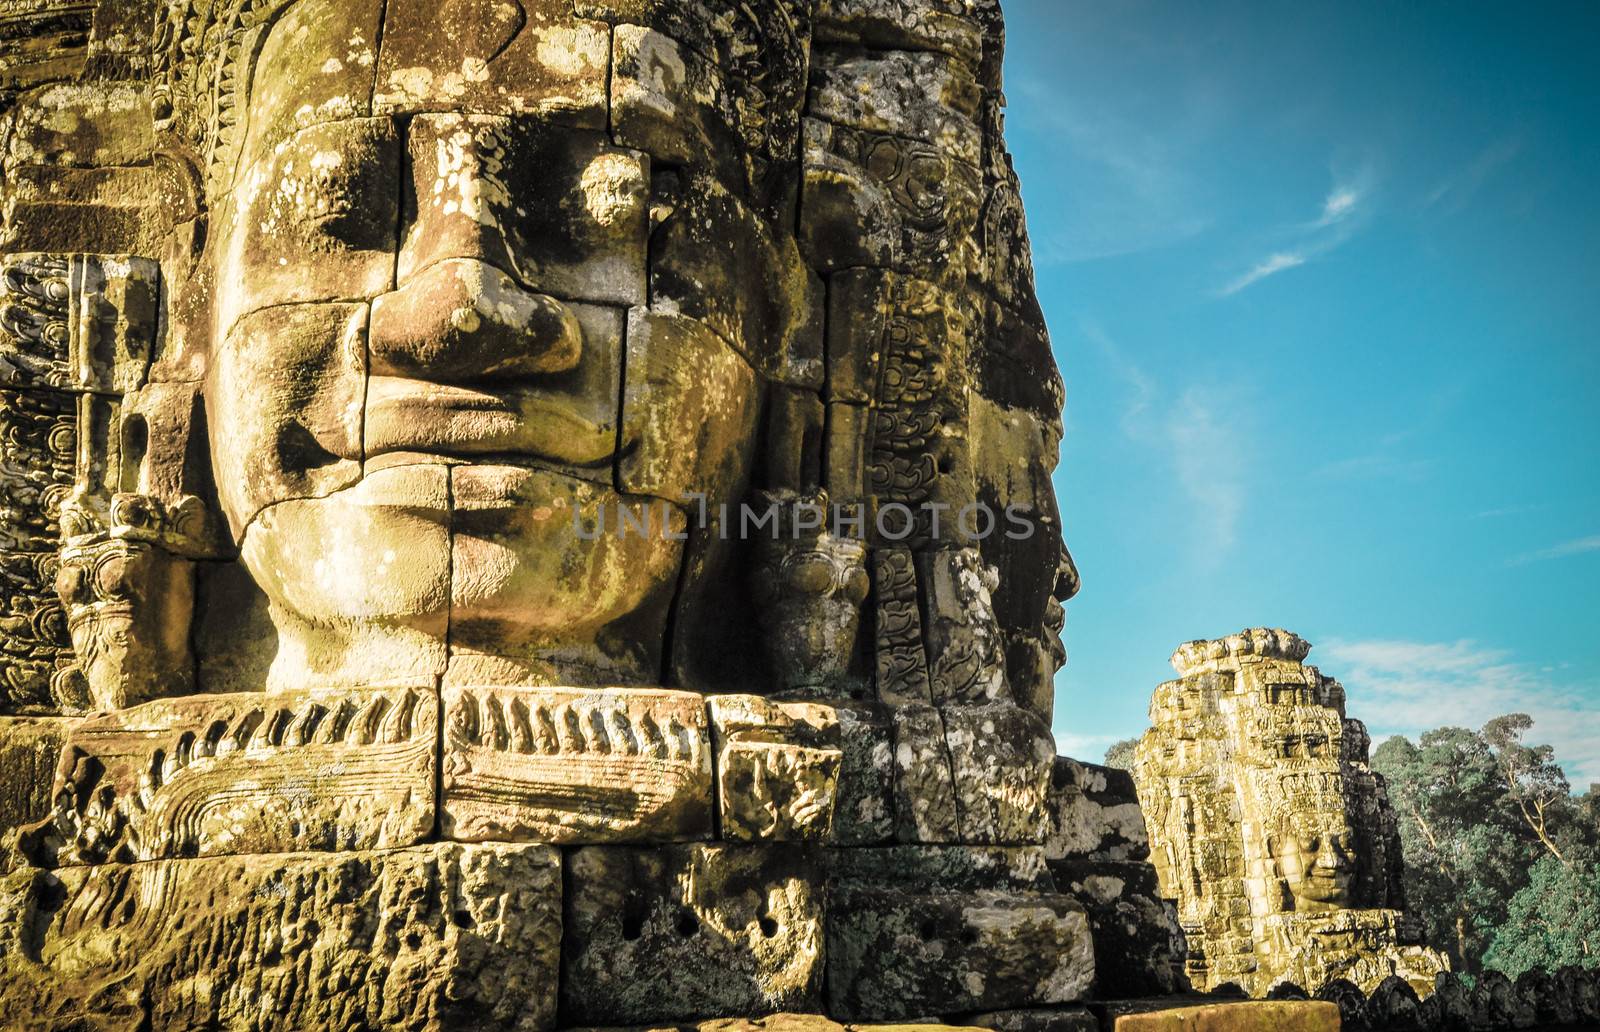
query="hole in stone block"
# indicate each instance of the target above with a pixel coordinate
(688, 924)
(632, 921)
(463, 919)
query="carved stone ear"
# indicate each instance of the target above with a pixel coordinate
(179, 184)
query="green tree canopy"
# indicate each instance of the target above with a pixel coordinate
(1491, 833)
(1552, 922)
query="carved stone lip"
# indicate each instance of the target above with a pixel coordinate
(405, 415)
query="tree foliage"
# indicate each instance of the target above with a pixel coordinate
(1120, 755)
(1552, 921)
(1491, 832)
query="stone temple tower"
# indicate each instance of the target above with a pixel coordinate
(522, 514)
(1269, 828)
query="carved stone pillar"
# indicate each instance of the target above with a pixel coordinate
(75, 334)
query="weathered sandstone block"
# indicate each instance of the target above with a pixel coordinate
(916, 930)
(1241, 1016)
(435, 937)
(863, 812)
(925, 802)
(30, 749)
(1054, 1019)
(896, 954)
(1138, 946)
(777, 768)
(675, 932)
(530, 56)
(1001, 758)
(1094, 814)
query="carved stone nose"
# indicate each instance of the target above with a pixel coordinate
(461, 320)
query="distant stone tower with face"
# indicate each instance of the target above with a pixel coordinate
(1269, 828)
(382, 383)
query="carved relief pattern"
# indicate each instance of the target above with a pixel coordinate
(566, 766)
(915, 455)
(934, 197)
(70, 326)
(902, 659)
(209, 776)
(33, 318)
(38, 445)
(195, 47)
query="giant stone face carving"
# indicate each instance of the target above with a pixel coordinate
(421, 315)
(1314, 854)
(425, 352)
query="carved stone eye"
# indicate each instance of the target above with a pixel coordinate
(1311, 843)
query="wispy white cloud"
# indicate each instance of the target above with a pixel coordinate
(1342, 209)
(1566, 549)
(1268, 266)
(1341, 201)
(1407, 687)
(1194, 431)
(1455, 189)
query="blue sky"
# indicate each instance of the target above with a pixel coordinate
(1322, 281)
